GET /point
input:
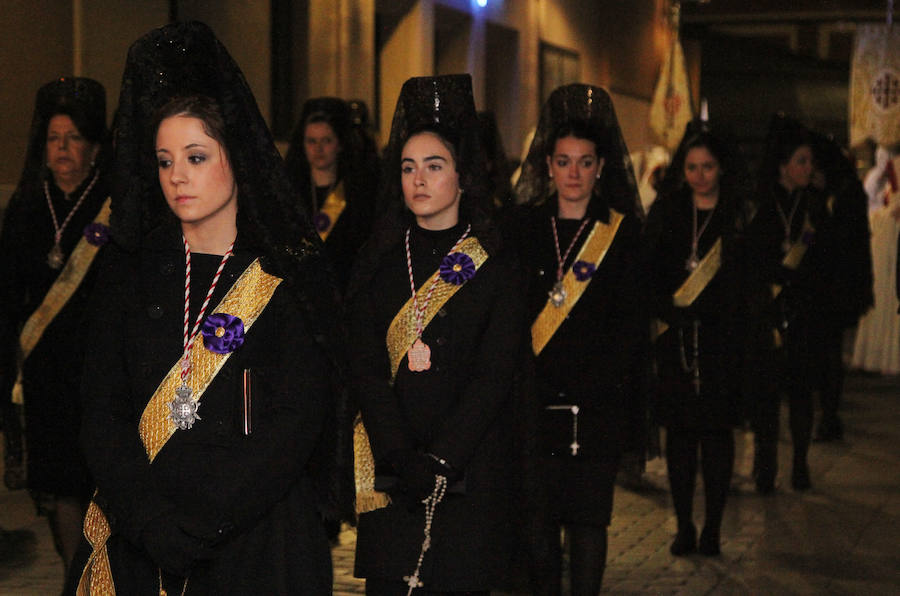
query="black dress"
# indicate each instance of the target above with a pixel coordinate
(590, 362)
(52, 373)
(251, 497)
(461, 409)
(720, 310)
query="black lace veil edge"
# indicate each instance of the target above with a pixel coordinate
(593, 107)
(735, 183)
(83, 100)
(357, 161)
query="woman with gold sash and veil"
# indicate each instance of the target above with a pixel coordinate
(207, 387)
(53, 228)
(336, 177)
(578, 235)
(435, 325)
(696, 268)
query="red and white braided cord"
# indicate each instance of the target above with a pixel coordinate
(189, 338)
(420, 312)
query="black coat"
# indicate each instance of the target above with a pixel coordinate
(461, 410)
(251, 496)
(720, 310)
(52, 373)
(594, 358)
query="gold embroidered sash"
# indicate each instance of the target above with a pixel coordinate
(246, 300)
(332, 208)
(696, 282)
(401, 335)
(592, 251)
(68, 280)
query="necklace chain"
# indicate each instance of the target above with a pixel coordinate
(420, 311)
(695, 235)
(58, 229)
(189, 338)
(788, 220)
(561, 260)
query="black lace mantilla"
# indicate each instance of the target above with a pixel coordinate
(185, 59)
(591, 106)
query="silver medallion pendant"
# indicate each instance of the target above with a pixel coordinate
(692, 263)
(419, 356)
(55, 258)
(786, 246)
(557, 294)
(183, 409)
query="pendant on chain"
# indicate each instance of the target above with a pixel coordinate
(419, 356)
(692, 263)
(557, 294)
(183, 409)
(55, 258)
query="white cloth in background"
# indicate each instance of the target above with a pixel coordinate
(877, 345)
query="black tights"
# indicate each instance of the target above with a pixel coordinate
(716, 459)
(587, 560)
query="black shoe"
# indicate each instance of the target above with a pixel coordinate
(685, 541)
(800, 477)
(709, 543)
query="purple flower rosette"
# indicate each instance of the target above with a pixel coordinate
(222, 333)
(457, 268)
(583, 270)
(321, 221)
(96, 233)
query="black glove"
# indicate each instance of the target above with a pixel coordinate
(171, 548)
(416, 476)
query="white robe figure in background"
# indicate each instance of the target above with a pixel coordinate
(877, 346)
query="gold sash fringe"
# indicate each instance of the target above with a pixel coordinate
(593, 251)
(246, 300)
(68, 280)
(695, 283)
(333, 207)
(400, 337)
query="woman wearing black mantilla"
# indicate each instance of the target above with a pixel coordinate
(435, 323)
(336, 179)
(53, 228)
(577, 236)
(207, 391)
(693, 240)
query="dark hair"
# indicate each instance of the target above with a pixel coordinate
(203, 108)
(580, 129)
(86, 128)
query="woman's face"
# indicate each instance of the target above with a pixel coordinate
(321, 145)
(69, 155)
(796, 171)
(702, 172)
(574, 167)
(430, 182)
(195, 174)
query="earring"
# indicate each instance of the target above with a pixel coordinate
(551, 175)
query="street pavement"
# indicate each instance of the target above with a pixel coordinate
(840, 538)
